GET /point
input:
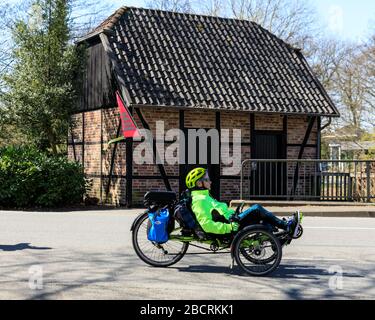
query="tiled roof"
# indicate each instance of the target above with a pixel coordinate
(186, 60)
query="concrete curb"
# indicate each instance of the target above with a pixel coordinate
(332, 210)
(371, 206)
(333, 214)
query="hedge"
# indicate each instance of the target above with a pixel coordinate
(30, 178)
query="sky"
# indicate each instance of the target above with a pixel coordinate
(346, 19)
(349, 19)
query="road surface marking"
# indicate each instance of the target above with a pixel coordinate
(316, 259)
(324, 260)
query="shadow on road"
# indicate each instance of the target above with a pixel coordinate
(283, 271)
(306, 272)
(296, 276)
(209, 269)
(75, 273)
(21, 246)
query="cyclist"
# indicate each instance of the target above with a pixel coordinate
(214, 216)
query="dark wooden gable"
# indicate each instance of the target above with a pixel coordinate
(98, 85)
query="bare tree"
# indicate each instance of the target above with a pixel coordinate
(325, 58)
(9, 14)
(86, 15)
(216, 8)
(171, 5)
(294, 21)
(369, 60)
(351, 88)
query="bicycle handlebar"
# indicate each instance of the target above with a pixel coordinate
(236, 216)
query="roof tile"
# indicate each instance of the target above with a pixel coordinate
(211, 62)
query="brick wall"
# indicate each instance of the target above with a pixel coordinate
(273, 122)
(297, 126)
(231, 120)
(103, 124)
(200, 119)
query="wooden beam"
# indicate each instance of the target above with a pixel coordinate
(117, 70)
(307, 136)
(317, 176)
(182, 167)
(83, 141)
(218, 166)
(252, 132)
(300, 154)
(112, 163)
(101, 157)
(319, 139)
(155, 153)
(129, 172)
(285, 136)
(73, 142)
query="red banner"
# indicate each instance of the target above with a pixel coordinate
(129, 128)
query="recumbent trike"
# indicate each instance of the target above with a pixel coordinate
(257, 249)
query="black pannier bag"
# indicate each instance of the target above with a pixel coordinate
(159, 198)
(183, 213)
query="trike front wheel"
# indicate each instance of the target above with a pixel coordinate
(257, 251)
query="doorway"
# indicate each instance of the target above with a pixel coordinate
(268, 178)
(213, 168)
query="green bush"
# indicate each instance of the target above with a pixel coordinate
(30, 178)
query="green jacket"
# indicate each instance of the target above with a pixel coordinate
(202, 205)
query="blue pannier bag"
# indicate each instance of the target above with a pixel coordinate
(158, 231)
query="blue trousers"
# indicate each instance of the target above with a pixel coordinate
(257, 213)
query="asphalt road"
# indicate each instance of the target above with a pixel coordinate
(89, 255)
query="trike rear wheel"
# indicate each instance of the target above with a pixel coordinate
(154, 254)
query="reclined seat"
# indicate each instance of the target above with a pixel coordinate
(186, 217)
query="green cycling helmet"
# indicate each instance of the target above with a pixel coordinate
(193, 176)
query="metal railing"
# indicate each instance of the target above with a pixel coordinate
(314, 180)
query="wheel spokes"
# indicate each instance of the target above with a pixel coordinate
(258, 252)
(159, 253)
